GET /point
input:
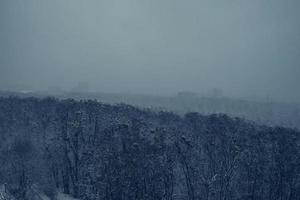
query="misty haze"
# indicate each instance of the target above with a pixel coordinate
(149, 100)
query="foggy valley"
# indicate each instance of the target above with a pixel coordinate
(149, 100)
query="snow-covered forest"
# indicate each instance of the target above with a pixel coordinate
(94, 151)
(262, 111)
(149, 100)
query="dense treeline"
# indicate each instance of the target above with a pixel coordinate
(98, 151)
(264, 112)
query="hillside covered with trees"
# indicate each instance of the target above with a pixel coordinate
(96, 151)
(263, 112)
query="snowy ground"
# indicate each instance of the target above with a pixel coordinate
(61, 196)
(35, 194)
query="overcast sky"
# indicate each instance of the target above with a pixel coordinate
(245, 47)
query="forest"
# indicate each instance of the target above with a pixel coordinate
(262, 111)
(97, 151)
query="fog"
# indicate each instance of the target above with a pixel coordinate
(246, 48)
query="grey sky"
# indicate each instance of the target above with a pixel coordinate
(245, 47)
